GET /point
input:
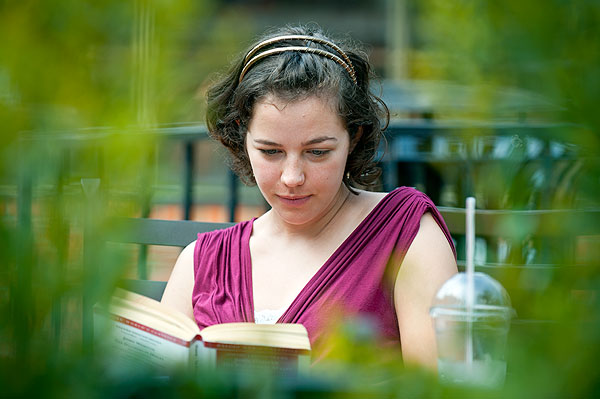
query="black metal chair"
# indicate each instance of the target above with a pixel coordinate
(142, 231)
(174, 233)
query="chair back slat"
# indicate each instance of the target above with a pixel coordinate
(175, 233)
(149, 288)
(540, 223)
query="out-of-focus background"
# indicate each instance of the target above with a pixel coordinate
(102, 109)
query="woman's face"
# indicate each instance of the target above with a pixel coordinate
(298, 152)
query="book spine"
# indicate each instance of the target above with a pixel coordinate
(200, 357)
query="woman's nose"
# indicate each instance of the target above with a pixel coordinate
(292, 174)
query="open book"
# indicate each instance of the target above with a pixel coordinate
(141, 330)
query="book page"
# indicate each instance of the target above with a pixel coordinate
(280, 335)
(135, 344)
(153, 314)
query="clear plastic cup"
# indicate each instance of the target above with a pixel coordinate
(471, 340)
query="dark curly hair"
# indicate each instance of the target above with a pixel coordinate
(293, 76)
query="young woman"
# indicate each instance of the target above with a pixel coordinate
(299, 120)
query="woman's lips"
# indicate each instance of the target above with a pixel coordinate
(294, 200)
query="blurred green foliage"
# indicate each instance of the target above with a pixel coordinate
(536, 58)
(71, 67)
(550, 50)
(68, 69)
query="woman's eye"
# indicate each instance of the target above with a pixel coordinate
(318, 153)
(269, 152)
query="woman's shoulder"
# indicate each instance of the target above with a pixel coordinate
(229, 233)
(408, 193)
(400, 195)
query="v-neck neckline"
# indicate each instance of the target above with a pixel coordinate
(247, 263)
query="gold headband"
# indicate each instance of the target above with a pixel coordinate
(344, 61)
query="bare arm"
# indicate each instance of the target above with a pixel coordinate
(428, 263)
(178, 293)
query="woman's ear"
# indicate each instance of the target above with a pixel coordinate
(356, 139)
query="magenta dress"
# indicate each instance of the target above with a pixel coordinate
(356, 281)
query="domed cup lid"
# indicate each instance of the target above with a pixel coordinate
(490, 299)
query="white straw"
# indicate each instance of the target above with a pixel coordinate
(470, 235)
(470, 241)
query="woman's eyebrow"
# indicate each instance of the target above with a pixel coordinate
(266, 142)
(316, 140)
(320, 140)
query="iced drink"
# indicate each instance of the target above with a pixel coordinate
(471, 340)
